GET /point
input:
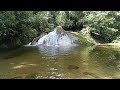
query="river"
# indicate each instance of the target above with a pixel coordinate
(43, 62)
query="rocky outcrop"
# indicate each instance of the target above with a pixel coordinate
(35, 40)
(58, 37)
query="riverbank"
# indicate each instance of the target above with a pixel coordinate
(97, 42)
(109, 44)
(116, 46)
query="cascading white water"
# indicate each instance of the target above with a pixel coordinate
(55, 38)
(49, 40)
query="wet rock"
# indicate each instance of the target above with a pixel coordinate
(35, 40)
(72, 67)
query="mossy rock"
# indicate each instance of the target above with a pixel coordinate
(85, 38)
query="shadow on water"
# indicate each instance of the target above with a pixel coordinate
(16, 52)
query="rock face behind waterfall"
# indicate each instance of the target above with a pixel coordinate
(35, 40)
(58, 37)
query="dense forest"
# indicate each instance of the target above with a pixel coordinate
(18, 28)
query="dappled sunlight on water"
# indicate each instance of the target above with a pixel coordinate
(60, 63)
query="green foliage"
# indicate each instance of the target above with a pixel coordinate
(85, 38)
(74, 20)
(60, 18)
(13, 27)
(106, 24)
(39, 21)
(117, 40)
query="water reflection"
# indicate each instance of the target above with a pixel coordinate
(55, 50)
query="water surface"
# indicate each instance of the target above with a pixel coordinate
(60, 63)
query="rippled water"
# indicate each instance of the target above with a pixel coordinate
(60, 63)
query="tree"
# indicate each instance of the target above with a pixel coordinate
(104, 24)
(74, 20)
(15, 29)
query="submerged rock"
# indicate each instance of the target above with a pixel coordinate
(72, 67)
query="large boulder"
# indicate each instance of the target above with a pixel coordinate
(57, 37)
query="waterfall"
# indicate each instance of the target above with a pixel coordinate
(49, 40)
(57, 37)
